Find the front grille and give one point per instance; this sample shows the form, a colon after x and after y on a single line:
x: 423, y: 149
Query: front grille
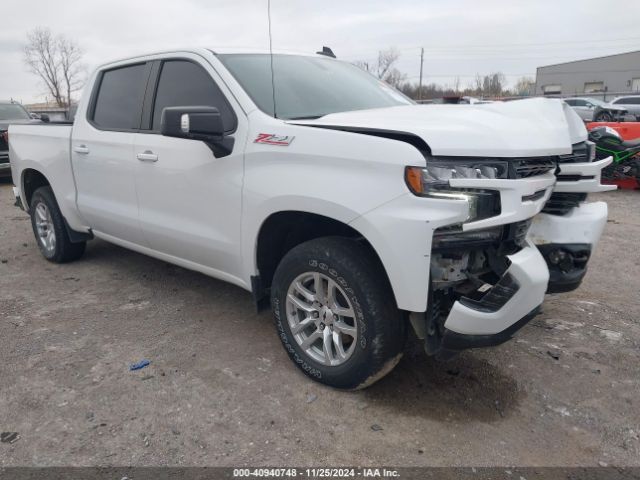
x: 4, y: 157
x: 562, y: 203
x: 530, y: 167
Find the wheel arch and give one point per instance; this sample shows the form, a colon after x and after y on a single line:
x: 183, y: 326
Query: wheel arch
x: 31, y: 179
x: 283, y: 230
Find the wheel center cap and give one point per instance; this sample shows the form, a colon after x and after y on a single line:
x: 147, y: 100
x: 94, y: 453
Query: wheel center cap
x: 326, y: 315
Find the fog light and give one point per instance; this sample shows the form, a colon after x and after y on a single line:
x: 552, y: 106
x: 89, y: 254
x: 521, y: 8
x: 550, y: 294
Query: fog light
x: 561, y: 258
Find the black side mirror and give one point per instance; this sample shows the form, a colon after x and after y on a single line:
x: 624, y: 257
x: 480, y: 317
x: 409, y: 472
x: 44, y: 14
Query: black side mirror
x: 45, y: 118
x: 197, y: 123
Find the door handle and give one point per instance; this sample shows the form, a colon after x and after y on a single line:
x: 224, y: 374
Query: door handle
x: 147, y: 156
x: 81, y: 149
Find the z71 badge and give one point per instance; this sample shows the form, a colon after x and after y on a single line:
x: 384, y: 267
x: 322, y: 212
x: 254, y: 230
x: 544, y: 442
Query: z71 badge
x: 273, y: 139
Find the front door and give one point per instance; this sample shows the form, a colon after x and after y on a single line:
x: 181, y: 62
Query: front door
x: 189, y: 200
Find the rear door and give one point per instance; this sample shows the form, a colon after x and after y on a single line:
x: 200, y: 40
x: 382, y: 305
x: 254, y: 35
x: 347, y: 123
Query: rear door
x: 632, y: 104
x: 190, y: 200
x: 102, y: 152
x: 582, y: 108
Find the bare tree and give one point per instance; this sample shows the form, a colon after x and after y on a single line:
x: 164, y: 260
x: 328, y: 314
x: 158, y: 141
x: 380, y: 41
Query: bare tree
x: 42, y: 59
x: 363, y: 65
x: 57, y: 61
x: 384, y: 68
x: 71, y: 66
x: 386, y: 60
x: 456, y: 84
x: 493, y: 84
x: 524, y: 86
x: 478, y: 84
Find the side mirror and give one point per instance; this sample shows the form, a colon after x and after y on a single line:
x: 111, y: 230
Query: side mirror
x: 195, y: 123
x: 45, y: 118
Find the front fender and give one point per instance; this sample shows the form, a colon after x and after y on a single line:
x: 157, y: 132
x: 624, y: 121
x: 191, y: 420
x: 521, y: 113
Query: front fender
x: 253, y: 222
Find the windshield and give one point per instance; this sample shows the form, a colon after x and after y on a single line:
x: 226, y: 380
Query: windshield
x: 12, y: 111
x: 597, y: 102
x: 309, y: 87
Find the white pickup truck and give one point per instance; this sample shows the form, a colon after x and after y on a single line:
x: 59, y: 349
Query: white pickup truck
x: 357, y: 213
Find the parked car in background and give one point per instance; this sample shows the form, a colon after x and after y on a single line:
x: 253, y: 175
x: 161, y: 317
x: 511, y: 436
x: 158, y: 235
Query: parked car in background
x: 10, y: 113
x: 631, y: 103
x: 593, y: 110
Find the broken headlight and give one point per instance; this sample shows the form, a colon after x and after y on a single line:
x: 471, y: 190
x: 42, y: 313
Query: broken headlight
x: 433, y: 182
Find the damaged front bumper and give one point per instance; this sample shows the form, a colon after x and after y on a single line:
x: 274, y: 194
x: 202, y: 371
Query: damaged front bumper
x: 568, y: 228
x: 522, y: 286
x: 566, y: 242
x: 491, y: 314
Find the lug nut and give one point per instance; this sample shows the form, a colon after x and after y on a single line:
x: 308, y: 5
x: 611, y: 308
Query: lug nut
x: 315, y: 314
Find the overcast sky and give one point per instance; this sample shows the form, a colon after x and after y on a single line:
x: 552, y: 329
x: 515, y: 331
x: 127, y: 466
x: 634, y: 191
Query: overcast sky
x: 460, y: 37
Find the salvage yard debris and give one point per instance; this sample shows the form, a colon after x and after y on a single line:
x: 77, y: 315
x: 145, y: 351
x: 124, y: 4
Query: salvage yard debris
x: 140, y: 365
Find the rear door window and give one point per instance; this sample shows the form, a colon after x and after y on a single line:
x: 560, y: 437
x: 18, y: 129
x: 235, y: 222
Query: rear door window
x: 185, y: 84
x: 118, y: 104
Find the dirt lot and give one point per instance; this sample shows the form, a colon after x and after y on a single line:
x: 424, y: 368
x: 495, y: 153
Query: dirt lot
x: 221, y: 391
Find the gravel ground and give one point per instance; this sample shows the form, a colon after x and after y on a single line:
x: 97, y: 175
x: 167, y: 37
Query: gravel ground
x: 221, y: 391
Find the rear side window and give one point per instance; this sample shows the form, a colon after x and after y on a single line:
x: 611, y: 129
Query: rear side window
x: 629, y: 101
x: 119, y: 100
x: 185, y: 84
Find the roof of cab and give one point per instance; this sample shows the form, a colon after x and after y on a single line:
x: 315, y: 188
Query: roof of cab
x: 206, y: 52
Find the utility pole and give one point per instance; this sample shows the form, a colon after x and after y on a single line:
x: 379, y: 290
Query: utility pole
x: 421, y: 63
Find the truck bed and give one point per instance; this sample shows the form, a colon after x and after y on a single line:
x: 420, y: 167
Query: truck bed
x: 45, y: 148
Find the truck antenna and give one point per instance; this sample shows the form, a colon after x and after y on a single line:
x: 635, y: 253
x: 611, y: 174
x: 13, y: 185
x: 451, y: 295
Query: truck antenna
x: 273, y: 83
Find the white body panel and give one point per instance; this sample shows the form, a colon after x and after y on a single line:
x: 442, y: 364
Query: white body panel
x: 104, y: 166
x: 46, y: 150
x: 589, y: 185
x: 205, y: 213
x: 584, y: 224
x: 531, y: 273
x: 491, y: 130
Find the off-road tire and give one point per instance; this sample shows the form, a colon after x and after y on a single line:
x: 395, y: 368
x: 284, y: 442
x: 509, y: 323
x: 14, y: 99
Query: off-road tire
x: 381, y: 326
x: 65, y: 250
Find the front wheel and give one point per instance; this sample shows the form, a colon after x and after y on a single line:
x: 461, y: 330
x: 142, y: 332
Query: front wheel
x: 49, y: 228
x: 335, y: 313
x: 604, y: 117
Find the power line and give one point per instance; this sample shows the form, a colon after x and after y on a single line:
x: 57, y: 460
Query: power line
x: 449, y: 47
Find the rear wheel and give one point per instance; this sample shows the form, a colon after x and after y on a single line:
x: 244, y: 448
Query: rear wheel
x: 49, y: 229
x: 335, y: 313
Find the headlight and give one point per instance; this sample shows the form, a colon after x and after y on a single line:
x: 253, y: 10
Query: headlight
x: 433, y: 182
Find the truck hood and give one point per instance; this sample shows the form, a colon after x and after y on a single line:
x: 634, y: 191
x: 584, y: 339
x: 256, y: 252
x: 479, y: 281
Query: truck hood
x: 522, y: 128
